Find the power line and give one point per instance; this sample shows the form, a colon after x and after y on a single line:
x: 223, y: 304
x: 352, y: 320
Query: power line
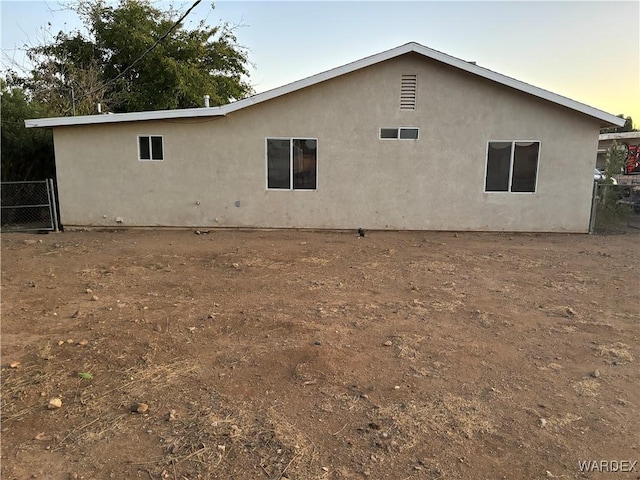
x: 151, y: 47
x: 144, y: 54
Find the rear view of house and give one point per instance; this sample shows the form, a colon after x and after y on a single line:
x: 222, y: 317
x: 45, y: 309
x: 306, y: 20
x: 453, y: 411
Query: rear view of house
x: 409, y: 138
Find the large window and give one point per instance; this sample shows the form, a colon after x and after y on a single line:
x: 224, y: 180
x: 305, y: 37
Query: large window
x: 512, y: 166
x: 150, y: 147
x: 292, y: 163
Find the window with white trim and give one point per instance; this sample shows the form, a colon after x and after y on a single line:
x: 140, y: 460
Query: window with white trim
x: 150, y: 147
x: 400, y: 133
x: 512, y: 166
x: 292, y: 163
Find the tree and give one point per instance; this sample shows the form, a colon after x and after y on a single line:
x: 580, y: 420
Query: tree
x: 27, y: 154
x: 612, y: 214
x: 627, y: 127
x: 136, y: 57
x: 66, y: 79
x: 615, y: 161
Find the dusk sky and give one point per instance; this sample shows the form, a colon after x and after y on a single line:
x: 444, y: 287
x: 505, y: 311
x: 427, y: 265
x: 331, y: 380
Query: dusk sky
x: 587, y: 51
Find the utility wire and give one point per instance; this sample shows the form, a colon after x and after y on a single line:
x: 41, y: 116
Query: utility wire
x: 146, y: 52
x: 152, y: 46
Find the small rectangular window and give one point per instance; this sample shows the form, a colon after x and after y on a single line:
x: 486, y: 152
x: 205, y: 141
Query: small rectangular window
x: 292, y: 163
x: 402, y: 133
x: 150, y: 147
x: 512, y: 166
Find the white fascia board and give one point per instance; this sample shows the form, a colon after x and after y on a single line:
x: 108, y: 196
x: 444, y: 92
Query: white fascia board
x: 518, y: 85
x: 124, y: 117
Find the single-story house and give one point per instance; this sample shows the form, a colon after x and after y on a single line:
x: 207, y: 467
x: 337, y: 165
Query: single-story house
x: 410, y: 138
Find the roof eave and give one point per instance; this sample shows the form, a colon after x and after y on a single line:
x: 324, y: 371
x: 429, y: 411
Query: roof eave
x: 606, y: 118
x: 124, y: 117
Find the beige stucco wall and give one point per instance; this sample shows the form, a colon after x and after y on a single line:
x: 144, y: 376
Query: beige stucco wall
x: 436, y: 182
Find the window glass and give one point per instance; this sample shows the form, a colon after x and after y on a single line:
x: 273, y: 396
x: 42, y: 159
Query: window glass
x: 498, y: 166
x: 145, y: 153
x: 156, y: 148
x: 388, y: 133
x: 304, y: 164
x: 409, y: 133
x: 525, y: 166
x: 278, y: 163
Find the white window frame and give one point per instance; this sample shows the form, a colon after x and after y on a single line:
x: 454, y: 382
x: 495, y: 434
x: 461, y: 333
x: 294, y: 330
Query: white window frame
x: 151, y: 159
x: 399, y: 129
x: 513, y: 151
x: 266, y: 164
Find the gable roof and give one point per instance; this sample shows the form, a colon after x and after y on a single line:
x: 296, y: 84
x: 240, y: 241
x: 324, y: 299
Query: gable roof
x: 606, y: 118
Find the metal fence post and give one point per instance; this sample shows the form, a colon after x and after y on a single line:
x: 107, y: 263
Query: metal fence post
x: 594, y: 203
x: 54, y: 206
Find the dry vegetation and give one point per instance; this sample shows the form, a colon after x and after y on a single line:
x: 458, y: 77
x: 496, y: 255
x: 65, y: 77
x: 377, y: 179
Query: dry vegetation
x: 318, y: 355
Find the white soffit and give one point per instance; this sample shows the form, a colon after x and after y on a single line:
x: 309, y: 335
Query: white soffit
x: 605, y: 117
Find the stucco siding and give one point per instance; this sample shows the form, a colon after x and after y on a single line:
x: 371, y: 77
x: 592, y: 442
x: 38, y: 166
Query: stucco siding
x: 435, y: 182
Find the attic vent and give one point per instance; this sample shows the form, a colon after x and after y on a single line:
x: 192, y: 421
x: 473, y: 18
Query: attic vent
x: 408, y: 87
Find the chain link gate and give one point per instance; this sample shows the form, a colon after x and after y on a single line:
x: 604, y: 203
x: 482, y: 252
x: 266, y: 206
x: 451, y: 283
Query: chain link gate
x: 28, y: 206
x: 615, y: 208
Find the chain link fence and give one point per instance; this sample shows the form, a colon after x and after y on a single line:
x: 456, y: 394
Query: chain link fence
x: 615, y: 208
x: 28, y: 206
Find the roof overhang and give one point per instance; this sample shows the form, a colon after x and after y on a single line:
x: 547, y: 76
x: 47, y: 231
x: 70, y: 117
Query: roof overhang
x: 124, y: 117
x: 606, y: 119
x: 620, y: 136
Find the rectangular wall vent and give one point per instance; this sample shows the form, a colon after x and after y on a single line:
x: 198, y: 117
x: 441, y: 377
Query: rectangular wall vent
x: 408, y: 87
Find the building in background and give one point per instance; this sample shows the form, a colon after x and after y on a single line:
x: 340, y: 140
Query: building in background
x: 631, y: 143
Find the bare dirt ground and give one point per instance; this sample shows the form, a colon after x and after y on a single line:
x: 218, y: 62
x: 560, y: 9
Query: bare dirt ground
x: 319, y: 355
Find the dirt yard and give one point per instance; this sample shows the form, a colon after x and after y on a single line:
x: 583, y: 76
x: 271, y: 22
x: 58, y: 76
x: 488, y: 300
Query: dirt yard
x: 319, y: 355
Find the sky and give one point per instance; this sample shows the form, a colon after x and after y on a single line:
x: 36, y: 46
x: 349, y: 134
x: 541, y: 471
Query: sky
x: 588, y: 51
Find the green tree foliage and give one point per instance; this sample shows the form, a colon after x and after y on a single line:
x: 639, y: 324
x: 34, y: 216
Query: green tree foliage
x: 27, y: 154
x: 615, y: 160
x: 627, y: 127
x: 66, y: 79
x: 134, y: 57
x: 612, y: 214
